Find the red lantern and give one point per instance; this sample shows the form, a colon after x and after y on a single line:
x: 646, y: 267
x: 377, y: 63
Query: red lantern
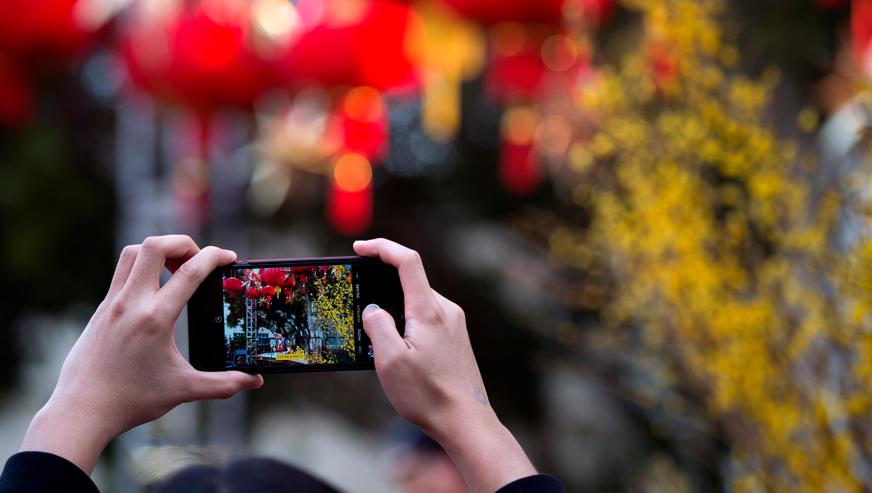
x: 349, y: 212
x: 861, y: 33
x: 252, y: 293
x: 268, y: 291
x: 16, y: 96
x: 363, y: 119
x: 515, y: 77
x: 203, y: 55
x: 359, y: 46
x: 520, y: 169
x: 495, y: 11
x: 541, y: 11
x: 349, y: 195
x: 279, y: 277
x: 232, y: 285
x: 35, y: 29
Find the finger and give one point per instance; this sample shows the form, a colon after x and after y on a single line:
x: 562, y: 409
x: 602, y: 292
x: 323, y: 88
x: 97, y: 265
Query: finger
x: 417, y: 293
x: 173, y: 264
x: 188, y: 277
x: 122, y: 270
x: 382, y: 331
x: 220, y: 385
x: 153, y: 254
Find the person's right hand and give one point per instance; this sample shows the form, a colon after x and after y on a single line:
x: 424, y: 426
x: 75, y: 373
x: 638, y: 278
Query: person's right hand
x: 125, y: 369
x: 431, y: 377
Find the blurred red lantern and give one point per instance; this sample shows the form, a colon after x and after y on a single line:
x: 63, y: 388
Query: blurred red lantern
x: 33, y: 30
x: 349, y: 212
x: 33, y: 35
x: 519, y: 167
x: 495, y: 11
x: 515, y: 77
x: 526, y: 61
x: 364, y: 123
x: 16, y: 96
x: 349, y: 195
x: 204, y: 55
x: 358, y: 44
x: 541, y: 11
x: 252, y: 293
x: 232, y: 285
x: 861, y: 34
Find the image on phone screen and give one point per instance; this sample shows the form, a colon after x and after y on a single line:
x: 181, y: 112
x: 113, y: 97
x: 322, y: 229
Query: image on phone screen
x: 290, y: 317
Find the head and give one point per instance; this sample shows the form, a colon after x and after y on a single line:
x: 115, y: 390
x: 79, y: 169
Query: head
x: 279, y: 335
x: 419, y: 465
x: 254, y: 475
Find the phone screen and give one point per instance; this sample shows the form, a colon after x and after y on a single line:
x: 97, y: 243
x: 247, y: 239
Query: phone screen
x: 291, y: 315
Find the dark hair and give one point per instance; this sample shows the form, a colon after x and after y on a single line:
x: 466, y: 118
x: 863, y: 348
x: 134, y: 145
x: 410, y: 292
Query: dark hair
x: 254, y: 475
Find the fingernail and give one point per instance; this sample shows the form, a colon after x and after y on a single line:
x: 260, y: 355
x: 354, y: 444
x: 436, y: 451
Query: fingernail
x: 370, y: 308
x: 255, y: 384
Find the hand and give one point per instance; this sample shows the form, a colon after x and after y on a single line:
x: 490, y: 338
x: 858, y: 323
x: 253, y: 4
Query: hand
x: 125, y: 369
x: 431, y: 377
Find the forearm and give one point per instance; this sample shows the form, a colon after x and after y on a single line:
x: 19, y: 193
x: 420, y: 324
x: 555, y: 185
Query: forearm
x: 484, y: 451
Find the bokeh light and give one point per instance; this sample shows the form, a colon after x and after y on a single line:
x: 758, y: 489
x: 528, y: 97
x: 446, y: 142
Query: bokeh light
x: 352, y: 172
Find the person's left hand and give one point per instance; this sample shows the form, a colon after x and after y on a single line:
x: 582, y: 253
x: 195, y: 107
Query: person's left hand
x: 125, y: 369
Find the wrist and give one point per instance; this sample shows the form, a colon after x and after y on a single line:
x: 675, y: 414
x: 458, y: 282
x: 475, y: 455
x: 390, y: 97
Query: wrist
x: 483, y: 449
x: 67, y: 432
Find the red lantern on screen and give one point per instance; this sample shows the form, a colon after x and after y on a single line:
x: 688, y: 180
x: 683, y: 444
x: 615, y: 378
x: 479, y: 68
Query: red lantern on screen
x: 201, y: 54
x: 357, y: 44
x: 350, y: 195
x: 232, y: 285
x: 252, y: 293
x: 267, y: 291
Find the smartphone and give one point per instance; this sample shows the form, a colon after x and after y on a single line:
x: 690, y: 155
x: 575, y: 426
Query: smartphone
x: 269, y: 316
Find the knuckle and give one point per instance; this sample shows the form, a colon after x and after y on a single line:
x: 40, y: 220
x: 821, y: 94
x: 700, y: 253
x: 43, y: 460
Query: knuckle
x: 119, y: 307
x: 458, y: 313
x: 150, y: 316
x: 189, y: 270
x: 226, y: 390
x: 129, y: 251
x: 412, y: 257
x: 434, y: 316
x: 151, y: 243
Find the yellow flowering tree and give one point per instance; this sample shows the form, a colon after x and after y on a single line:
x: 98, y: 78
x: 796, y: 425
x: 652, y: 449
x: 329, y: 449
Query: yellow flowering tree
x: 719, y: 255
x: 332, y: 308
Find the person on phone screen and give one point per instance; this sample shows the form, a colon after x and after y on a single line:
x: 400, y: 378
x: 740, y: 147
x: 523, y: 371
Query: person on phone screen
x: 281, y: 343
x: 429, y: 374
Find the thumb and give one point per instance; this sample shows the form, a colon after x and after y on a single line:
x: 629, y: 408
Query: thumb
x: 382, y: 331
x: 221, y: 385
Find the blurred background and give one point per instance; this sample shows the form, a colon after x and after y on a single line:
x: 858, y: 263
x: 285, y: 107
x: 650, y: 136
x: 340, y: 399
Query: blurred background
x: 655, y: 214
